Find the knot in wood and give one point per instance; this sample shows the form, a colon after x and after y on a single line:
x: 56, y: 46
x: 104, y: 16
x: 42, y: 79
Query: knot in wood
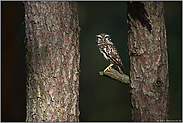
x: 158, y: 82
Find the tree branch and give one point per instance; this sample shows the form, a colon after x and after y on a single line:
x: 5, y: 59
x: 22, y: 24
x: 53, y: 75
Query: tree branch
x: 114, y: 74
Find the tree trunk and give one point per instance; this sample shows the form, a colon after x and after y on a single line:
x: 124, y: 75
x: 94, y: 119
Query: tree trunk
x: 149, y: 79
x: 52, y: 58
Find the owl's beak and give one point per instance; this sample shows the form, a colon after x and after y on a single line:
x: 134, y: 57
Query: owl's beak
x: 103, y: 39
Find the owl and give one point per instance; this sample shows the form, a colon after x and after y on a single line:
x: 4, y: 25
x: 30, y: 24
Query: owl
x: 109, y: 51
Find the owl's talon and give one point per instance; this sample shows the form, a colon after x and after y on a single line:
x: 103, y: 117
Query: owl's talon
x: 108, y: 68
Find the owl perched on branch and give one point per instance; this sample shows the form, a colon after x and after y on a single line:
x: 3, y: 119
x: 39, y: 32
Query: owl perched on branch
x: 109, y: 51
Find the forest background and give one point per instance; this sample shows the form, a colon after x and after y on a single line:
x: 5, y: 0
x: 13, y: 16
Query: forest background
x: 101, y: 99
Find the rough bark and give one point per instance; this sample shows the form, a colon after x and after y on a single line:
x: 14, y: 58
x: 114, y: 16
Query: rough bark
x: 52, y: 58
x: 147, y: 45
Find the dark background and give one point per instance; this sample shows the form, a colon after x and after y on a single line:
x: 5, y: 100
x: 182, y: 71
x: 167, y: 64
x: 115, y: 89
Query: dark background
x: 101, y: 99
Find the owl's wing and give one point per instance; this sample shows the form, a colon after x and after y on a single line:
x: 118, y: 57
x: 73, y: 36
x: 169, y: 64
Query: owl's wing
x: 113, y: 56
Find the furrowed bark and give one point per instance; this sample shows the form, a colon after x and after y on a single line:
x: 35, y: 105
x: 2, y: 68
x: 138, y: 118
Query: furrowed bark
x: 147, y: 45
x: 53, y: 58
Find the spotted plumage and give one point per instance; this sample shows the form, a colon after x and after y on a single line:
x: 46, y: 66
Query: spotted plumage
x: 109, y: 51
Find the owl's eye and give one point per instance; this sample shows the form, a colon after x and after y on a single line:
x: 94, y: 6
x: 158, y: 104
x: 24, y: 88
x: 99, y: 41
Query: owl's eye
x: 106, y: 38
x: 99, y: 38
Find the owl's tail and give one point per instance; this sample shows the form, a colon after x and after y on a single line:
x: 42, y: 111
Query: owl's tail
x: 121, y: 69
